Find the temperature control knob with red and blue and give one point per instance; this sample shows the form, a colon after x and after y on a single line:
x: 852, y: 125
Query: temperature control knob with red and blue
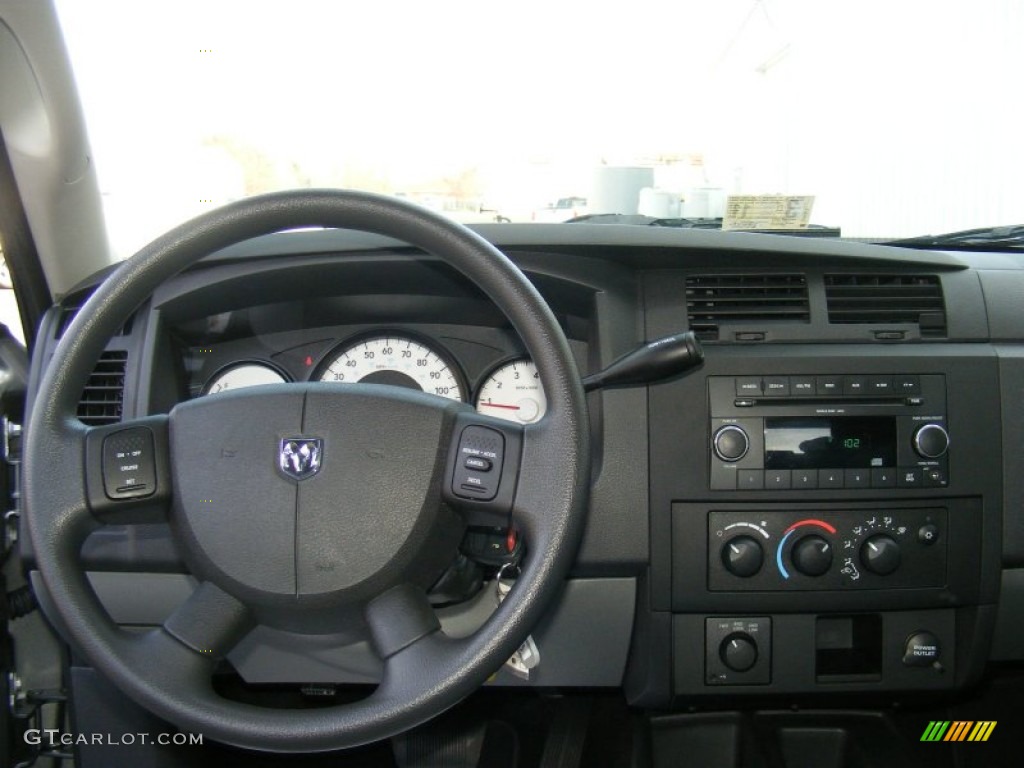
x: 811, y: 554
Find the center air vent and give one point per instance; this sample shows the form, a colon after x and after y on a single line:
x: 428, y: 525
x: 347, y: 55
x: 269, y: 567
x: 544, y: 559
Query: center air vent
x: 103, y: 396
x: 887, y: 300
x: 715, y: 300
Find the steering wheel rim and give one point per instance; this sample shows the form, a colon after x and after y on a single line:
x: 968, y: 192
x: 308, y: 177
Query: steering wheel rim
x: 164, y: 672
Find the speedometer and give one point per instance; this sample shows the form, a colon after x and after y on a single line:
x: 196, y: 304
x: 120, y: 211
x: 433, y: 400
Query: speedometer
x: 397, y: 360
x: 513, y: 392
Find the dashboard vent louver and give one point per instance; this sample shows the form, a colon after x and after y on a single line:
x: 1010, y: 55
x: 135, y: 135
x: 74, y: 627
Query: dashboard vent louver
x: 887, y: 299
x: 103, y: 396
x: 712, y: 300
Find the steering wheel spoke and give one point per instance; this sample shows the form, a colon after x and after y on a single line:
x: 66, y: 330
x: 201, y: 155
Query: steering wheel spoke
x: 210, y: 621
x: 127, y: 471
x: 399, y: 618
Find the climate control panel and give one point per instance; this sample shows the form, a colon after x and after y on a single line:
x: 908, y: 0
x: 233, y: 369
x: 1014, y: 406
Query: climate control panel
x: 834, y: 549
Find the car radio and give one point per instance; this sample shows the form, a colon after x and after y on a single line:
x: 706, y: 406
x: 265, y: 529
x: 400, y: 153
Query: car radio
x: 843, y: 431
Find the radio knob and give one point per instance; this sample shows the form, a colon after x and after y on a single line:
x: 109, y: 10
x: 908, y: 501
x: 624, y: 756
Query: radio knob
x: 731, y: 443
x: 738, y: 652
x: 880, y: 554
x: 931, y: 441
x: 812, y: 555
x: 742, y: 556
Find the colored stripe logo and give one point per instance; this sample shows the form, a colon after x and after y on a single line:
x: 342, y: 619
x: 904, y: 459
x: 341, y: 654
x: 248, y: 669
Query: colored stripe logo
x: 958, y: 730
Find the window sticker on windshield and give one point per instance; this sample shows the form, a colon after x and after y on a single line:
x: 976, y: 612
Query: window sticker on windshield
x: 767, y: 211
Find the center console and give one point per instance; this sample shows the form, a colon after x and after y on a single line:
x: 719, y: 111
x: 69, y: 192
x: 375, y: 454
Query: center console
x: 823, y: 520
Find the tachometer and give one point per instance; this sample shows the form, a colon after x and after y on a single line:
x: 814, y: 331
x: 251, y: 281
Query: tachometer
x: 241, y: 375
x: 513, y: 392
x: 397, y: 360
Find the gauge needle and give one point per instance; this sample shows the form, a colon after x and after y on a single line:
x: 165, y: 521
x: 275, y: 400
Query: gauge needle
x: 501, y: 405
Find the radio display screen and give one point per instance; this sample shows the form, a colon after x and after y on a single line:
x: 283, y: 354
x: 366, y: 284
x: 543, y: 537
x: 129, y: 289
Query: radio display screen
x: 838, y: 442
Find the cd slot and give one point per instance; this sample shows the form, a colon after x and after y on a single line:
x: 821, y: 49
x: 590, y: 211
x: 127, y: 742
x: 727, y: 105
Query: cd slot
x: 750, y: 402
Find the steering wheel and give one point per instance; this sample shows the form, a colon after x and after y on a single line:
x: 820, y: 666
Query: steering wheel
x: 306, y: 506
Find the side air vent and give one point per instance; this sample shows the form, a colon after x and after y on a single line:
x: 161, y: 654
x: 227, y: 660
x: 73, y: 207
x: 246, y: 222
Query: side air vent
x: 103, y: 396
x: 715, y: 300
x: 887, y: 300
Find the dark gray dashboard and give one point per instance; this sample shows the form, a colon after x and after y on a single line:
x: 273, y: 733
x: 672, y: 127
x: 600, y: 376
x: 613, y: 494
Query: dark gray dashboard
x: 646, y: 572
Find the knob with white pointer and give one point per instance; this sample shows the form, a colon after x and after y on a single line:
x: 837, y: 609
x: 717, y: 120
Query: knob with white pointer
x: 812, y: 555
x: 738, y: 652
x: 880, y: 554
x: 742, y: 556
x: 931, y: 441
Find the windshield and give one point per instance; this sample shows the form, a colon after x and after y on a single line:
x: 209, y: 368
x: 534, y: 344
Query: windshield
x: 889, y: 118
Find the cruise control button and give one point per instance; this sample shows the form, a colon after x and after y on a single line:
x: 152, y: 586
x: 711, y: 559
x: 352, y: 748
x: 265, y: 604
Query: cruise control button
x: 479, y: 463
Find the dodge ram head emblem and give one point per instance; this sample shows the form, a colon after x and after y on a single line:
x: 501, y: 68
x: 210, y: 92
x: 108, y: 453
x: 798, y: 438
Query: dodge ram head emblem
x: 299, y: 457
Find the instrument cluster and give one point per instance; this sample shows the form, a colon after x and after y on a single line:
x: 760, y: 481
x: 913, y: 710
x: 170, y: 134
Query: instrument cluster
x: 510, y: 390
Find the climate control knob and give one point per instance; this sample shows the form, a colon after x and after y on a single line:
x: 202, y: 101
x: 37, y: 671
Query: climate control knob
x: 731, y: 443
x: 812, y: 555
x: 880, y: 554
x: 738, y: 652
x: 742, y: 556
x: 931, y: 441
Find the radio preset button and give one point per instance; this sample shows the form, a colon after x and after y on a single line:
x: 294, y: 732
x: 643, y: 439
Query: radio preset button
x: 748, y: 387
x: 830, y: 478
x: 829, y: 385
x: 805, y: 478
x: 909, y: 477
x: 908, y: 385
x: 731, y: 443
x: 880, y: 385
x: 883, y: 477
x: 777, y: 478
x: 857, y: 478
x: 855, y: 385
x: 750, y: 479
x: 776, y: 386
x: 801, y: 385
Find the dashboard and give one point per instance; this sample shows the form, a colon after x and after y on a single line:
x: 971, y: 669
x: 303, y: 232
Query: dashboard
x: 831, y: 504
